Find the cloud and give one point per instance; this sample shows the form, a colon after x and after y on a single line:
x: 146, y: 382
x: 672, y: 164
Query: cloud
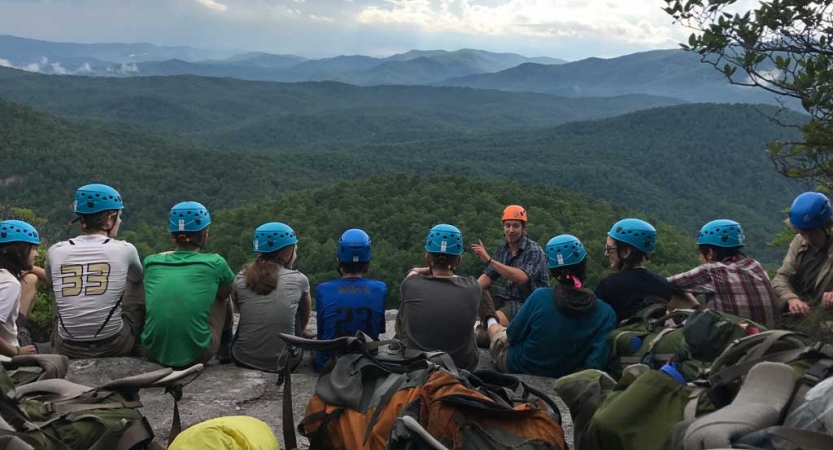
x: 58, y: 69
x: 321, y: 18
x: 34, y: 67
x: 124, y: 69
x: 5, y: 63
x: 85, y: 68
x: 213, y: 5
x: 541, y: 18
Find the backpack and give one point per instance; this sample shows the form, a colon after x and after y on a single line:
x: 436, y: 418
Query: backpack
x: 634, y: 413
x: 422, y: 401
x: 26, y: 369
x: 812, y: 363
x: 57, y: 414
x: 692, y: 338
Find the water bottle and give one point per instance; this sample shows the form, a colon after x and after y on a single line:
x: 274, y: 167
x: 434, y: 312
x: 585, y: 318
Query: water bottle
x: 670, y: 369
x: 635, y: 344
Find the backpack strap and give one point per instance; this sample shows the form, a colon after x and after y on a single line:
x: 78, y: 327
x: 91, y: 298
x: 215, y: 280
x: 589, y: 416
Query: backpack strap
x: 109, y: 315
x: 413, y: 426
x: 690, y: 410
x: 736, y: 371
x: 288, y: 420
x: 772, y: 337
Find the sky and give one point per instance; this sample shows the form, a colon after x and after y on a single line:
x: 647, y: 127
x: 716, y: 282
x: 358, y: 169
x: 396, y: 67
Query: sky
x: 568, y: 29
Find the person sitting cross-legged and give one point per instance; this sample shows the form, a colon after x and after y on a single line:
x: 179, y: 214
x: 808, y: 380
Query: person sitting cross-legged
x: 558, y: 330
x: 189, y: 318
x: 99, y: 304
x: 351, y: 303
x: 439, y: 307
x: 272, y: 298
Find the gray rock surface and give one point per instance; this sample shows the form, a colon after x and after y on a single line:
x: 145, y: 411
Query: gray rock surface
x: 226, y: 390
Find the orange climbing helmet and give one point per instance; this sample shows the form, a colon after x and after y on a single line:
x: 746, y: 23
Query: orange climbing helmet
x: 514, y: 212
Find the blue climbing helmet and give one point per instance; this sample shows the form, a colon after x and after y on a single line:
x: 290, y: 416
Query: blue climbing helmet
x: 564, y: 250
x: 18, y: 231
x: 722, y: 233
x: 810, y: 210
x: 188, y: 217
x: 273, y: 236
x: 354, y: 246
x: 445, y: 239
x: 94, y: 198
x: 636, y: 232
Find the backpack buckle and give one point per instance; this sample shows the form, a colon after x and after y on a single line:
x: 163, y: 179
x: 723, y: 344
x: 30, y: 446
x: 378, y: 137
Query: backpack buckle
x: 818, y: 372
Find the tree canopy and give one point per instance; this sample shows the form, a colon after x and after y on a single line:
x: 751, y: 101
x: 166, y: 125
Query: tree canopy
x: 782, y: 46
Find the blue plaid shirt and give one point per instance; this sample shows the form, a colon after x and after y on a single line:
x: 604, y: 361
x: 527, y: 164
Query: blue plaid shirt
x: 532, y: 260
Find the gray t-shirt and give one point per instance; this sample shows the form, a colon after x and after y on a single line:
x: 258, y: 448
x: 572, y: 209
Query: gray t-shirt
x: 439, y: 314
x: 263, y: 317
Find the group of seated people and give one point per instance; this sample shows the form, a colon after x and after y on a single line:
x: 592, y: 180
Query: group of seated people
x: 176, y: 307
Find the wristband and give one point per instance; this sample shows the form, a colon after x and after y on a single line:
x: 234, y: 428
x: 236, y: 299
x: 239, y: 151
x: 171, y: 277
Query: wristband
x: 489, y: 261
x: 18, y: 351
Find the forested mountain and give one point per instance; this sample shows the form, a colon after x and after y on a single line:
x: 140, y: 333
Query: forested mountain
x: 273, y: 115
x: 123, y: 60
x: 661, y: 72
x: 24, y: 51
x: 398, y: 211
x: 686, y: 165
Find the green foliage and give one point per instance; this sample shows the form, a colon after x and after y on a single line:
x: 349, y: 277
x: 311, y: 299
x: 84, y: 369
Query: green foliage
x: 660, y: 162
x: 277, y: 115
x: 784, y: 47
x: 398, y: 211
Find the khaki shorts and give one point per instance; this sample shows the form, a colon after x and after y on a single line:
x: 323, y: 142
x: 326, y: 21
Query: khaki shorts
x: 498, y: 347
x: 220, y: 317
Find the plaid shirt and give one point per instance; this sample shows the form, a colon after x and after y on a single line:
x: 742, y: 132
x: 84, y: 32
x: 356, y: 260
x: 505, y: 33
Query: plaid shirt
x: 741, y: 288
x: 532, y: 260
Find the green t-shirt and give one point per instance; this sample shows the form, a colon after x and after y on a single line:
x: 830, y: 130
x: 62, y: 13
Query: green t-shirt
x: 180, y: 288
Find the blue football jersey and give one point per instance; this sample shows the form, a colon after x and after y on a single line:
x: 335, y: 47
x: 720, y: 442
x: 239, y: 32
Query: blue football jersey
x: 347, y: 305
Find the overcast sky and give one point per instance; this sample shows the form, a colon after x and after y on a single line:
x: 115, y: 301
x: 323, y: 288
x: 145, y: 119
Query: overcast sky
x: 569, y: 29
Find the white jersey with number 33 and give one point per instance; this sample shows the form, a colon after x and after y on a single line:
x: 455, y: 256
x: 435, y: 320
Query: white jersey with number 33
x: 89, y: 274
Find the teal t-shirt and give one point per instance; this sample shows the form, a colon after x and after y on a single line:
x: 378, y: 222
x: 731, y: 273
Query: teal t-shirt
x: 180, y: 288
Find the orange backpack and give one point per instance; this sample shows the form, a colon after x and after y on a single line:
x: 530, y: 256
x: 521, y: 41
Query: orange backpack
x: 364, y: 402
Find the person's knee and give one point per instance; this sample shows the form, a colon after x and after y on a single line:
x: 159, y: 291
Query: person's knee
x: 501, y: 318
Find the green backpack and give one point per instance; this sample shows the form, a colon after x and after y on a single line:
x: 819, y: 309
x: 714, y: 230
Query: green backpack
x: 634, y: 413
x: 692, y: 338
x: 61, y: 415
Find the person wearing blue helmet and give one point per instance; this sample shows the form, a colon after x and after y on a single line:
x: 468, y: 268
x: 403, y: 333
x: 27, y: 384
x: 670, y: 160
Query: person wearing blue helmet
x: 272, y: 298
x: 631, y: 286
x: 558, y: 330
x: 731, y: 281
x: 97, y: 281
x: 189, y: 318
x: 805, y: 279
x: 18, y: 250
x: 351, y: 303
x: 438, y: 308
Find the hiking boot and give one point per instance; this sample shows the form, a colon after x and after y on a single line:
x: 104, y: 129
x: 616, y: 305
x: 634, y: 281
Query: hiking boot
x: 224, y: 354
x: 481, y: 336
x: 486, y: 308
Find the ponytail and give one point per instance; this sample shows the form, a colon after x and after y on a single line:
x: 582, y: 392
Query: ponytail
x: 262, y: 274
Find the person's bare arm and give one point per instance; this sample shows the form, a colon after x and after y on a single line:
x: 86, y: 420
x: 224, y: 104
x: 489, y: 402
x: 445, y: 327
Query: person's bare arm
x: 510, y: 273
x: 306, y: 308
x: 223, y: 292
